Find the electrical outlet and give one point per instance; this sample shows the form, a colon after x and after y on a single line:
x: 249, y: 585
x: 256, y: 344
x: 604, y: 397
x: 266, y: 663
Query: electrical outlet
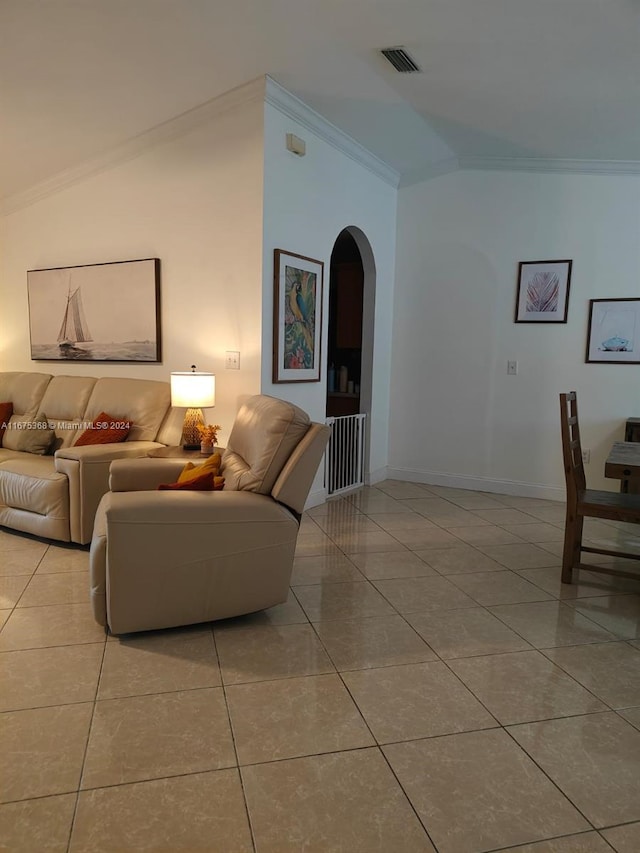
x: 232, y: 360
x: 586, y: 456
x: 512, y: 368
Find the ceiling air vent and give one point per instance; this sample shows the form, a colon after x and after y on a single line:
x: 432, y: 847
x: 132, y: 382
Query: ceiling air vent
x: 400, y: 60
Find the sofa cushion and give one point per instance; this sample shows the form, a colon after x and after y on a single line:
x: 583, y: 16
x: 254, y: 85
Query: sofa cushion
x: 31, y: 483
x: 65, y: 401
x: 25, y: 391
x: 6, y: 410
x: 206, y: 482
x: 211, y: 464
x: 144, y: 402
x: 35, y: 436
x: 106, y: 429
x: 264, y: 434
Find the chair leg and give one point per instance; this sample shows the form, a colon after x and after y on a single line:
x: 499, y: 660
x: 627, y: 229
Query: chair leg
x: 572, y: 542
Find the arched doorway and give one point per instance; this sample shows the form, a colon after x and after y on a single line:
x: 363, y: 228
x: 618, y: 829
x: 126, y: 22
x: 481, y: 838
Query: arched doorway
x: 350, y: 358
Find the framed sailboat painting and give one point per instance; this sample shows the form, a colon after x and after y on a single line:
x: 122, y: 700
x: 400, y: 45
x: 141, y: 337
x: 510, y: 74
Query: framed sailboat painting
x: 96, y: 312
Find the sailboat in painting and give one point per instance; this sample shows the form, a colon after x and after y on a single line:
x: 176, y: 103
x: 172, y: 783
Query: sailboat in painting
x: 74, y: 328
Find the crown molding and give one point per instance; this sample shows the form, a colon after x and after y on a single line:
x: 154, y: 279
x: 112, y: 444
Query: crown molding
x: 297, y: 110
x: 137, y: 145
x: 535, y: 164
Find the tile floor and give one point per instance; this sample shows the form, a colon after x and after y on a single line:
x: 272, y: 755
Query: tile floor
x: 429, y: 685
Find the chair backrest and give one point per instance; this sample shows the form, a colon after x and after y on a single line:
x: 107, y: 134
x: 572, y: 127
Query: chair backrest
x: 571, y: 447
x: 265, y: 433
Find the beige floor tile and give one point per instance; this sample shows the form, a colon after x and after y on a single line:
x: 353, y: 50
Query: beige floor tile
x: 37, y: 825
x: 546, y: 624
x: 4, y: 615
x: 146, y: 737
x: 464, y: 633
x: 331, y: 568
x: 333, y: 507
x: 631, y: 715
x: 342, y: 601
x: 63, y: 588
x: 368, y: 540
x: 635, y: 643
x: 524, y: 686
x: 503, y: 587
x: 513, y: 802
x: 474, y: 501
x: 11, y: 588
x: 430, y: 505
x: 550, y: 514
x: 42, y: 750
x: 586, y: 842
x: 203, y: 811
x: 18, y: 563
x: 610, y: 670
x: 410, y: 595
x: 594, y: 760
x: 401, y: 491
x: 459, y: 560
x: 10, y: 542
x: 586, y: 584
x: 536, y: 532
x: 349, y: 525
x: 619, y: 614
x: 391, y: 521
x: 61, y: 675
x: 292, y: 717
x: 415, y: 701
x: 522, y: 556
x: 159, y: 662
x: 312, y: 546
x: 624, y: 839
x: 264, y: 652
x: 345, y: 802
x: 376, y: 503
x: 505, y: 515
x: 452, y: 517
x: 375, y: 642
x: 59, y: 559
x: 486, y: 536
x: 428, y: 537
x: 402, y: 564
x: 288, y: 613
x: 55, y: 625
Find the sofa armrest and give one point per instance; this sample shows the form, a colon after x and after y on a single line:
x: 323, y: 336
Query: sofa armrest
x: 198, y: 556
x: 141, y: 475
x: 87, y: 470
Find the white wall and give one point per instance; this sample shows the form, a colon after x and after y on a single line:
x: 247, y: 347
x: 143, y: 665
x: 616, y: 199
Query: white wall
x: 196, y: 203
x: 308, y: 201
x: 457, y: 417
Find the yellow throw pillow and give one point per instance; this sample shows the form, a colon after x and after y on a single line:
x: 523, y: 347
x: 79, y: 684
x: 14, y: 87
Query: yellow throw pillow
x: 210, y: 465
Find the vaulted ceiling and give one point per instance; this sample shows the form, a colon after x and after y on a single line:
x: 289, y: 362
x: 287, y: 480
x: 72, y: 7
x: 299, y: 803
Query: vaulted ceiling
x: 553, y: 79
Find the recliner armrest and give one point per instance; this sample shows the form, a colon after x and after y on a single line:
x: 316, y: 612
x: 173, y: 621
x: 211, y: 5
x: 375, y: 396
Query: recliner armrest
x: 141, y: 475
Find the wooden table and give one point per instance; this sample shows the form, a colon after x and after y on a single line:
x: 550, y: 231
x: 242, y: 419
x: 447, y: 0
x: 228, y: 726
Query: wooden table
x: 623, y: 463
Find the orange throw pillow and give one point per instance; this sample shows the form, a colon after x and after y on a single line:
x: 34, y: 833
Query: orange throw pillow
x: 204, y: 483
x: 105, y: 430
x: 6, y: 410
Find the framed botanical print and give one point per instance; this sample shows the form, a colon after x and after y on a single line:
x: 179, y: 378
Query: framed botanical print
x: 543, y: 291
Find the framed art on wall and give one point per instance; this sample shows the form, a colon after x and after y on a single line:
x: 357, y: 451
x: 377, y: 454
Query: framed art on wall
x: 96, y: 312
x: 543, y: 291
x: 297, y: 317
x: 614, y: 331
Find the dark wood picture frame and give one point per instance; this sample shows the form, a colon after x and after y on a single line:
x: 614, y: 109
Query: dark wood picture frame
x: 613, y: 333
x: 96, y: 312
x: 543, y: 291
x: 297, y: 317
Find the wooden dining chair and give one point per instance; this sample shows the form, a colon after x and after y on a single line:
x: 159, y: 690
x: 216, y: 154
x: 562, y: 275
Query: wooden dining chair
x: 588, y: 503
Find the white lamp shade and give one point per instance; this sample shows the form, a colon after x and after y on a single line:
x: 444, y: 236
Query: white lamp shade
x: 195, y: 390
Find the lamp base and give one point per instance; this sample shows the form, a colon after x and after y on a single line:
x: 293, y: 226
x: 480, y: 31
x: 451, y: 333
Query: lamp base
x: 190, y: 439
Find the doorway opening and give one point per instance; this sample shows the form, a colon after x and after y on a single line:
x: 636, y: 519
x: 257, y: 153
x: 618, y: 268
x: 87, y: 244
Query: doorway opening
x: 349, y: 360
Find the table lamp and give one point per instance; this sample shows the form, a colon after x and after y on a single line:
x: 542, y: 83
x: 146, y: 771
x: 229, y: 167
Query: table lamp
x: 193, y: 390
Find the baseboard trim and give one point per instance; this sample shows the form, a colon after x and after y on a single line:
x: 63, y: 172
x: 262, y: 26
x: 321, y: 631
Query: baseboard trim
x: 479, y: 484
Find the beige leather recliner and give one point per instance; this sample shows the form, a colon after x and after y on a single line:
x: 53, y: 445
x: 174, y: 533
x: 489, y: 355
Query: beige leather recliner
x: 165, y: 558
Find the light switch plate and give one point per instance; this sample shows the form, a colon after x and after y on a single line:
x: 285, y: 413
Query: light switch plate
x: 232, y: 360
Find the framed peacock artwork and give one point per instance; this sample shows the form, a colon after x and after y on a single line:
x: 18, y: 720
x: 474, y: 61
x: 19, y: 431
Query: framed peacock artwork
x: 543, y: 291
x: 297, y: 317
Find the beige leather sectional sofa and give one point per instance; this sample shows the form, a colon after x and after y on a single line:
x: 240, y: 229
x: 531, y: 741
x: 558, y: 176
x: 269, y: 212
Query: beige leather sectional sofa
x: 56, y: 495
